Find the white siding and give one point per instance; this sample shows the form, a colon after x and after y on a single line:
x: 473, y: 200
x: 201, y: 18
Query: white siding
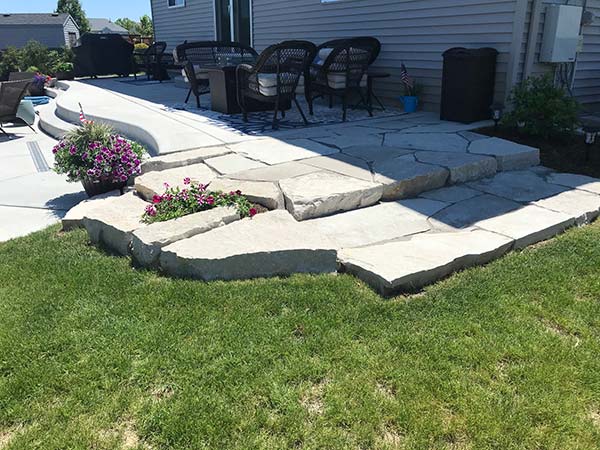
x: 415, y: 32
x: 193, y: 22
x: 70, y: 27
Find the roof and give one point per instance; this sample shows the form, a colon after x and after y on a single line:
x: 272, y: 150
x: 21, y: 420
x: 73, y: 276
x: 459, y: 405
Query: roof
x: 97, y: 25
x: 33, y: 19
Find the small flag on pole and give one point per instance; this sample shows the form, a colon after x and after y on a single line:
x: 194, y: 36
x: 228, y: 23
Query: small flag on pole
x: 404, y: 76
x: 82, y: 118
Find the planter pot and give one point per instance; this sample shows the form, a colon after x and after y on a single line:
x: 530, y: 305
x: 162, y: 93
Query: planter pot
x: 36, y: 90
x: 97, y: 187
x: 65, y: 75
x: 410, y: 103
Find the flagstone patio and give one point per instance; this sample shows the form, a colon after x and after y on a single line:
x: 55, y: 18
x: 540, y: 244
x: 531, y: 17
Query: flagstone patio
x: 399, y: 201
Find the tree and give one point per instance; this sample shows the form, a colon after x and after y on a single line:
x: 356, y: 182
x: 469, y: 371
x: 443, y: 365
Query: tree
x: 128, y: 24
x: 145, y: 26
x: 73, y: 7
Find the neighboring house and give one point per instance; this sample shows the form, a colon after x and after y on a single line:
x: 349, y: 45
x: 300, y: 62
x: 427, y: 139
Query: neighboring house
x: 413, y: 32
x: 52, y: 29
x: 105, y: 26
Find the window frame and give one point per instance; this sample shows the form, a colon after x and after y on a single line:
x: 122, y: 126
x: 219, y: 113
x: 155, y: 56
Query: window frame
x: 175, y: 5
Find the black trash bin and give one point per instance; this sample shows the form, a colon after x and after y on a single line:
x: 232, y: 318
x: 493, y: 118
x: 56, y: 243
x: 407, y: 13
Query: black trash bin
x: 468, y: 84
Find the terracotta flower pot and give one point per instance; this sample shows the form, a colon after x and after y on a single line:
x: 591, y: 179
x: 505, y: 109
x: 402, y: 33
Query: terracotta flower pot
x: 97, y: 187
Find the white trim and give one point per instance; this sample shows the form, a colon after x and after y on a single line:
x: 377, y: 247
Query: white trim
x: 176, y: 6
x: 231, y: 21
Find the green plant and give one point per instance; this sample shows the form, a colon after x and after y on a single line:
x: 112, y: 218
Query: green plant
x: 141, y: 46
x: 9, y: 61
x: 37, y: 55
x: 539, y: 108
x: 62, y: 66
x: 73, y: 7
x: 193, y: 198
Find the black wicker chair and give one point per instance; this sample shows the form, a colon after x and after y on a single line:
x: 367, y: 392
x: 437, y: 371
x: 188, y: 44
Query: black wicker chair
x: 197, y: 57
x: 342, y: 70
x: 150, y: 60
x: 275, y: 76
x: 11, y: 94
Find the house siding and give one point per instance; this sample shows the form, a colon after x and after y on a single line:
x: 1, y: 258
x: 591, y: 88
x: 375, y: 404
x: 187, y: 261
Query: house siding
x: 70, y: 27
x: 192, y: 22
x: 415, y: 32
x: 18, y: 35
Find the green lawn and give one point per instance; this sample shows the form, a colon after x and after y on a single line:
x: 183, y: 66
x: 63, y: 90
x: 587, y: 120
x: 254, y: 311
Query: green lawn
x: 97, y: 355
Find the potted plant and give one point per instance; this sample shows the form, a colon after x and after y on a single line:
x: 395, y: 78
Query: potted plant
x: 412, y: 91
x: 64, y: 71
x: 37, y: 87
x: 97, y: 157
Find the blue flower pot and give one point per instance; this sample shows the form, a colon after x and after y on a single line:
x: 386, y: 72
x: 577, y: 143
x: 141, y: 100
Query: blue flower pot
x: 410, y: 103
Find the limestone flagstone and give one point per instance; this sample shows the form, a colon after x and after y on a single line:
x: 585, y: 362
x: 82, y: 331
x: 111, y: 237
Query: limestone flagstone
x: 583, y: 206
x: 372, y: 154
x: 466, y: 213
x: 264, y: 193
x: 437, y: 142
x: 581, y: 182
x: 451, y: 194
x: 510, y: 155
x: 186, y: 158
x: 267, y: 245
x: 463, y: 167
x: 520, y: 186
x: 342, y: 164
x: 232, y: 163
x: 274, y: 173
x: 402, y: 178
x: 274, y: 151
x: 74, y: 217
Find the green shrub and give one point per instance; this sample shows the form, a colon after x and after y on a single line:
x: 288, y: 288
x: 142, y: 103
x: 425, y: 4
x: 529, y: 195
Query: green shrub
x: 9, y: 61
x: 33, y: 69
x: 61, y: 66
x: 542, y: 109
x: 36, y: 54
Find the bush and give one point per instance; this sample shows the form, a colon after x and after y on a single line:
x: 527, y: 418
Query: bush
x: 542, y: 109
x: 94, y: 151
x: 9, y: 62
x: 195, y: 197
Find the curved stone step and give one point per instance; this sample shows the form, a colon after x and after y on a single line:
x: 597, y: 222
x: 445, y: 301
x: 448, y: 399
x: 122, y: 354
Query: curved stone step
x: 51, y: 123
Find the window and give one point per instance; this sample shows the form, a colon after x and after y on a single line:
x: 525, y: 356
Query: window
x: 72, y: 39
x: 176, y: 3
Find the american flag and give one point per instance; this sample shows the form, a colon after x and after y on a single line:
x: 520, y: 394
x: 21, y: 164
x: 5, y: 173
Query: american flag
x: 404, y: 76
x: 82, y: 118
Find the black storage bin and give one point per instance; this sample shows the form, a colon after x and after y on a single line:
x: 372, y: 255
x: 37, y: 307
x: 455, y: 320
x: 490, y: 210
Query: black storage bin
x: 468, y: 84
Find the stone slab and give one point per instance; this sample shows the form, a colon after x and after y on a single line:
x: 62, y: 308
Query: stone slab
x: 264, y: 193
x: 342, y: 164
x: 583, y: 206
x: 180, y: 159
x: 152, y: 183
x: 148, y: 242
x: 274, y: 173
x: 510, y: 155
x: 378, y: 223
x: 267, y: 245
x: 528, y: 225
x: 466, y: 213
x: 358, y: 137
x: 401, y: 178
x: 472, y: 136
x: 372, y: 154
x: 446, y: 127
x: 581, y: 182
x: 437, y: 142
x: 319, y: 194
x: 410, y: 264
x: 74, y: 217
x: 274, y: 151
x: 520, y: 186
x: 463, y: 167
x: 232, y: 163
x: 451, y: 194
x: 112, y: 225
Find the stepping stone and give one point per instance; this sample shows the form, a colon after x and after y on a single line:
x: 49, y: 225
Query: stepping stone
x: 274, y: 151
x: 463, y: 167
x: 181, y: 159
x: 520, y: 186
x: 112, y: 225
x: 528, y: 225
x: 322, y: 193
x: 264, y: 193
x: 451, y: 194
x: 583, y: 206
x: 153, y: 183
x: 342, y: 164
x: 74, y: 218
x: 274, y: 173
x: 468, y: 212
x: 444, y: 127
x: 410, y: 264
x: 402, y: 178
x: 351, y: 139
x: 471, y: 136
x: 267, y: 245
x: 232, y: 163
x: 581, y: 182
x: 148, y: 242
x: 510, y: 155
x: 392, y: 125
x: 370, y: 153
x: 378, y: 223
x: 436, y: 142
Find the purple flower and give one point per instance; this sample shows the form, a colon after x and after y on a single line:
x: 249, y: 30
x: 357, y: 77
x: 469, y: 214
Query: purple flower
x: 187, y: 180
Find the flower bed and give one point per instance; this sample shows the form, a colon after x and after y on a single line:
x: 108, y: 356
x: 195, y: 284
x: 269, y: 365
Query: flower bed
x: 195, y: 197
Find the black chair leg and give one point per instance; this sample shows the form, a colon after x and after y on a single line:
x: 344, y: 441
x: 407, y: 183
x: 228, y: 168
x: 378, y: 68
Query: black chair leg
x: 367, y: 103
x: 31, y: 128
x: 197, y: 100
x: 345, y: 107
x: 188, y: 96
x: 3, y: 132
x: 301, y: 112
x: 330, y: 101
x: 275, y: 125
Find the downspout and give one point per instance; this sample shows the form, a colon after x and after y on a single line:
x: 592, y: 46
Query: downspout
x: 532, y: 37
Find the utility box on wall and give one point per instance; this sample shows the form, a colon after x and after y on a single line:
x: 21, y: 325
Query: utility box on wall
x: 561, y: 34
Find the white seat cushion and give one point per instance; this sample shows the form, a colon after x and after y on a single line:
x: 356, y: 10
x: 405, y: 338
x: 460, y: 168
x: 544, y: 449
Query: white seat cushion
x: 201, y: 74
x: 337, y: 80
x: 267, y: 84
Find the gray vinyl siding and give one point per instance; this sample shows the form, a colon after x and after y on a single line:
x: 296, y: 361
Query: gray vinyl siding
x: 192, y: 22
x: 70, y: 27
x: 52, y: 36
x: 415, y: 32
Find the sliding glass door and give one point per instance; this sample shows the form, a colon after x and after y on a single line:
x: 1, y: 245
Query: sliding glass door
x: 233, y: 20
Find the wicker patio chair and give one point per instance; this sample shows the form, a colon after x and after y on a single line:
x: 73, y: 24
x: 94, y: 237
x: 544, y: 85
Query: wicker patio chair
x: 11, y: 94
x: 275, y: 76
x: 197, y: 57
x: 341, y: 70
x: 150, y: 60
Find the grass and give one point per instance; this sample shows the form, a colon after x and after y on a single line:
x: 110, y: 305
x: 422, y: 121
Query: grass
x: 97, y: 355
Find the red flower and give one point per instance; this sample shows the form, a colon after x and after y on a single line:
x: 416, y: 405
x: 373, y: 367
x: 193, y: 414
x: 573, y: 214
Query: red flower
x: 252, y: 212
x: 156, y: 199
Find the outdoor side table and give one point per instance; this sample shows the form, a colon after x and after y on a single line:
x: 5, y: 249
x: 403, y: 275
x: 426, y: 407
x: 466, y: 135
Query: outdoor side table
x: 372, y: 75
